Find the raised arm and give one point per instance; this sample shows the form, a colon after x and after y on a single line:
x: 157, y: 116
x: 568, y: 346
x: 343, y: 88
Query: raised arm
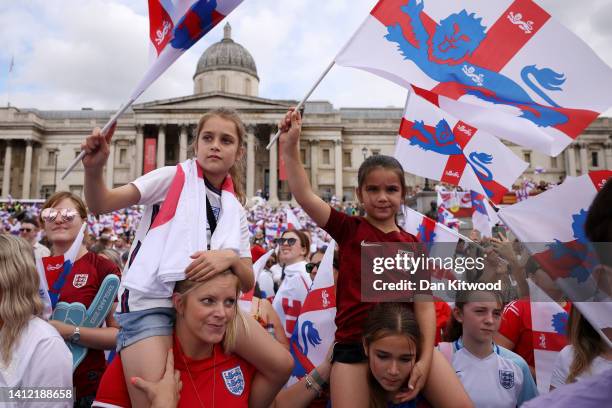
x: 100, y: 199
x: 315, y: 207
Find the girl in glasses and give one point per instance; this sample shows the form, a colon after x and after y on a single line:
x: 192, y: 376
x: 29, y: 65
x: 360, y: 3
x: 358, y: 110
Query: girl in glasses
x: 63, y: 215
x: 381, y: 190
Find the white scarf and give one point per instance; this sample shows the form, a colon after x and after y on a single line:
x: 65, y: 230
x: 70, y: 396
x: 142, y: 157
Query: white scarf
x: 179, y: 230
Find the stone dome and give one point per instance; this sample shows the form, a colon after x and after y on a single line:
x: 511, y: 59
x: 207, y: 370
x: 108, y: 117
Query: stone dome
x: 226, y: 55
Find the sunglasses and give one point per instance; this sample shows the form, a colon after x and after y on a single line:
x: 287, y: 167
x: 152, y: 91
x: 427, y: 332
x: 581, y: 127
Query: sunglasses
x: 50, y: 214
x: 286, y: 241
x: 26, y: 229
x: 310, y: 266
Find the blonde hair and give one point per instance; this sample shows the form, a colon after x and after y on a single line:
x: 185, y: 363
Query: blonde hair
x: 19, y: 285
x: 586, y: 342
x: 238, y: 169
x: 235, y: 325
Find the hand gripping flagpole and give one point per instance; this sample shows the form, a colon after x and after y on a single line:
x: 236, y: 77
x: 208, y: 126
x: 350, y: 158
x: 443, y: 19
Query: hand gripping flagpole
x: 297, y: 108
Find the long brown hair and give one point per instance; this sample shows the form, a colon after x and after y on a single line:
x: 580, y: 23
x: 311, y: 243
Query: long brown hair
x: 586, y: 342
x: 388, y: 319
x: 19, y: 297
x: 238, y: 169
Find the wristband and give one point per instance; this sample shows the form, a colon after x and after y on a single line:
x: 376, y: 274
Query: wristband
x: 317, y: 378
x: 312, y: 385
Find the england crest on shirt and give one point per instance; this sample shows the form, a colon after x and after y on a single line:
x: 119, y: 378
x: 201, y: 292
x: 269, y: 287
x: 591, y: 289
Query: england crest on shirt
x: 234, y: 380
x: 506, y: 378
x: 80, y: 280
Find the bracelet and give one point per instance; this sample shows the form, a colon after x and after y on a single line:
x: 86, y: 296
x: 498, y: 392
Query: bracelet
x: 317, y: 378
x: 312, y: 385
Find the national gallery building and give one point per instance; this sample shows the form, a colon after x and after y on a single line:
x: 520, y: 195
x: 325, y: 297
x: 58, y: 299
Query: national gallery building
x: 37, y: 145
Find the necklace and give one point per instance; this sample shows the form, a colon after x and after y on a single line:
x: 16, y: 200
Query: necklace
x: 195, y: 389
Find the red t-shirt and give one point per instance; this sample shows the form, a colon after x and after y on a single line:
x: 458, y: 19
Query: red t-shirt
x: 516, y: 327
x: 81, y: 285
x: 222, y: 380
x: 349, y: 232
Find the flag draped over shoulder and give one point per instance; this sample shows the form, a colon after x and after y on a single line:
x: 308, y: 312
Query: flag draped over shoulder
x: 552, y: 226
x: 315, y: 329
x: 435, y: 145
x: 504, y: 66
x: 54, y: 270
x: 174, y: 26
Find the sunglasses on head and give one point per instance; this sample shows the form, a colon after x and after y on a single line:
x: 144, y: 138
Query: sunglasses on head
x: 286, y: 241
x: 50, y: 214
x: 310, y: 266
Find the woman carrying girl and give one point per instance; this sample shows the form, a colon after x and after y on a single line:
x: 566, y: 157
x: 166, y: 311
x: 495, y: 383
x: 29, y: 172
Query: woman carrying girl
x: 208, y: 325
x: 381, y: 189
x: 213, y: 176
x: 494, y: 377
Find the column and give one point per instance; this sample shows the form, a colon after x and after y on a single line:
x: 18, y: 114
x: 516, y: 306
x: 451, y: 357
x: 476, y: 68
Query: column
x: 6, y: 180
x: 570, y: 154
x: 608, y: 155
x: 250, y: 170
x: 139, y: 149
x: 110, y: 165
x: 183, y: 144
x: 584, y: 162
x: 273, y: 170
x: 314, y: 165
x: 161, y: 146
x: 338, y: 168
x: 27, y: 172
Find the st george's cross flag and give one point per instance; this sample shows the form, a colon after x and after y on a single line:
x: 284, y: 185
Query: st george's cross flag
x: 484, y: 217
x: 315, y: 328
x: 504, y: 66
x: 293, y: 222
x: 551, y: 225
x: 434, y: 144
x: 54, y: 271
x: 549, y: 330
x: 174, y: 26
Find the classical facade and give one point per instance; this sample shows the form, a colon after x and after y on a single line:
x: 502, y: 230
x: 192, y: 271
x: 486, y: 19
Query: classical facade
x: 37, y: 145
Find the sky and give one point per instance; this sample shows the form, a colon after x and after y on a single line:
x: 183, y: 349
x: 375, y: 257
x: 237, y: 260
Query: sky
x: 70, y: 54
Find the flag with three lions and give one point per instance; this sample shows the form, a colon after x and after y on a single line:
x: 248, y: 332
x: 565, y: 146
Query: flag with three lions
x: 504, y: 66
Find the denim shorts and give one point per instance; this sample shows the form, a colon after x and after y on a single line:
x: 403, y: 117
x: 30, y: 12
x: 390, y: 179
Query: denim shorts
x: 136, y: 326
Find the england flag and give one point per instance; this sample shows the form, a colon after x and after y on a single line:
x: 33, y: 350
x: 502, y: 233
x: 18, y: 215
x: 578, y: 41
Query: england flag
x: 504, y: 66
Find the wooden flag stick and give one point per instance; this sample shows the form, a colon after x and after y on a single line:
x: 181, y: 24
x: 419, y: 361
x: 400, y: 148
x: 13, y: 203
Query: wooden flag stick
x: 299, y: 106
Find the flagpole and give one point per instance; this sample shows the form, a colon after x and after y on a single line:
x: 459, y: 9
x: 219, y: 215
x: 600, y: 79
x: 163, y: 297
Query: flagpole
x: 299, y: 106
x: 104, y: 131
